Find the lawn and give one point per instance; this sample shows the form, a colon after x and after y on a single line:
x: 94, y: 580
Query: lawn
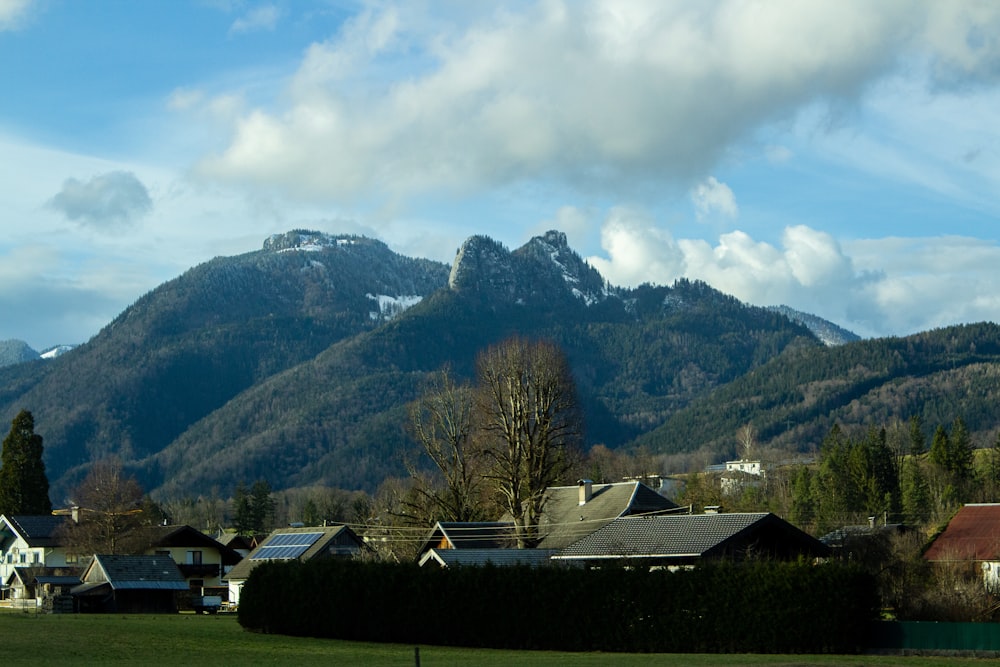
x: 187, y: 639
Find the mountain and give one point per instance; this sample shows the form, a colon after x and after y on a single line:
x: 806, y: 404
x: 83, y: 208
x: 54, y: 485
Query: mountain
x: 191, y: 345
x: 15, y: 352
x: 826, y: 331
x: 296, y: 362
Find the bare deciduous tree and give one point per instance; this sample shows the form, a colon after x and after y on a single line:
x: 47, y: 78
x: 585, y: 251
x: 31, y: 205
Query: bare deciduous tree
x: 442, y: 423
x: 108, y: 508
x: 528, y: 417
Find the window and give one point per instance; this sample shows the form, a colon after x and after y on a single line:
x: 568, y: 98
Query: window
x: 194, y: 558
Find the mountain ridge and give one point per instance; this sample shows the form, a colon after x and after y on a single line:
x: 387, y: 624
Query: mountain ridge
x: 296, y: 362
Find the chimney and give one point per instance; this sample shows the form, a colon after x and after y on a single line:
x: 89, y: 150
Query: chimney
x: 586, y: 490
x: 74, y: 512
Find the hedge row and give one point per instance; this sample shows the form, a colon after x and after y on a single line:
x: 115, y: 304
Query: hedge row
x: 717, y: 607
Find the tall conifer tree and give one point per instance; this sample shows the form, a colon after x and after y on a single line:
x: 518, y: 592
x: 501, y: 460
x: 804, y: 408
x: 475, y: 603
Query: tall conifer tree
x: 24, y: 488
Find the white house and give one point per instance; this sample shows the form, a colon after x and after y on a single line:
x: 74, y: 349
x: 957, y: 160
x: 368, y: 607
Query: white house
x: 30, y: 541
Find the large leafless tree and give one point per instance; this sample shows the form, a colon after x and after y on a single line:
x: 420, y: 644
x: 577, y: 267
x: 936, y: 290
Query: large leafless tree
x: 107, y: 508
x: 527, y: 415
x: 442, y: 422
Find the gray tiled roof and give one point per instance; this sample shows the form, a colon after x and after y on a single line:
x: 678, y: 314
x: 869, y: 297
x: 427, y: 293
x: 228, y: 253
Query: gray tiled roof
x: 690, y: 536
x: 565, y: 520
x: 481, y: 557
x: 38, y: 530
x: 138, y: 572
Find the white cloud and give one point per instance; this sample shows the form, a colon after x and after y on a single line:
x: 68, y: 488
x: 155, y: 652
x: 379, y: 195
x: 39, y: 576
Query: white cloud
x: 711, y: 197
x: 638, y: 251
x: 601, y: 94
x: 875, y: 287
x: 264, y: 17
x: 12, y: 13
x: 109, y: 200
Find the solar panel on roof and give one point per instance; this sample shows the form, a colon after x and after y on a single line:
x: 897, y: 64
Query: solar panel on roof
x: 285, y: 546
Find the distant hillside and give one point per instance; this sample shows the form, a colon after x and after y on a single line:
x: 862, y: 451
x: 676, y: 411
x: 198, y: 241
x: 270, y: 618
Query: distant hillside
x: 795, y: 398
x: 15, y: 352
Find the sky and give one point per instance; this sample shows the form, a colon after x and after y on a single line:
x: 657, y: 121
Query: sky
x: 841, y: 157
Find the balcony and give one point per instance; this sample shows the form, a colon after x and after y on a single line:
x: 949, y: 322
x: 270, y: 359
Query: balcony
x: 200, y: 570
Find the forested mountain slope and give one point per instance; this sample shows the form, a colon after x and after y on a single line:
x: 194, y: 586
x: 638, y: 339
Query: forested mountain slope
x: 192, y: 344
x: 794, y: 399
x: 296, y: 362
x: 340, y: 419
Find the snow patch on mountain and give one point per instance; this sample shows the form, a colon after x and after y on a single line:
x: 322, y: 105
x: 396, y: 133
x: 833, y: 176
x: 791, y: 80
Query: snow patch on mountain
x: 391, y: 306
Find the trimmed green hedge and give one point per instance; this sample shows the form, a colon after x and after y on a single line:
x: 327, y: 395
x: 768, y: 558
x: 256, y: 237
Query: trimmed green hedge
x: 716, y: 607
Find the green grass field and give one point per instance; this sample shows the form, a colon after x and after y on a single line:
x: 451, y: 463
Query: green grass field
x: 186, y: 639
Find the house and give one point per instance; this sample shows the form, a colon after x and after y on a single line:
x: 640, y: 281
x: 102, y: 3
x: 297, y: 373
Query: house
x: 684, y: 540
x: 570, y: 513
x: 30, y: 541
x: 971, y: 537
x: 740, y: 475
x: 202, y: 560
x: 445, y: 558
x: 241, y: 544
x: 301, y: 544
x: 130, y: 584
x: 40, y: 583
x: 478, y: 535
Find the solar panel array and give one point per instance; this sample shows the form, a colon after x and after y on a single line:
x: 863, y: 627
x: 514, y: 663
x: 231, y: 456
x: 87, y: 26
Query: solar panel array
x: 285, y: 546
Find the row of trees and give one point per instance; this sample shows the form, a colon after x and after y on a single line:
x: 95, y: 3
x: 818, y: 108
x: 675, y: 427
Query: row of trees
x: 894, y: 474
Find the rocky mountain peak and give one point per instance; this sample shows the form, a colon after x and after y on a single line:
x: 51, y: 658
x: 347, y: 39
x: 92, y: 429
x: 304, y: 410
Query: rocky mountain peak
x: 305, y: 239
x: 482, y: 262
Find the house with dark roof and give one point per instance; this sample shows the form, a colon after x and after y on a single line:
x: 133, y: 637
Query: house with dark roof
x: 41, y: 583
x: 129, y: 585
x: 684, y: 540
x: 972, y: 537
x: 301, y: 544
x: 570, y: 513
x: 30, y: 541
x: 202, y: 559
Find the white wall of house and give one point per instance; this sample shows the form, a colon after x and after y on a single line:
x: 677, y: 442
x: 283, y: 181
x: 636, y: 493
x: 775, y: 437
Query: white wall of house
x: 991, y: 575
x: 19, y: 554
x: 193, y: 556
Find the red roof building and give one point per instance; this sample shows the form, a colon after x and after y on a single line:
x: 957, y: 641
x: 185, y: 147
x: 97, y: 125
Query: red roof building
x: 972, y: 536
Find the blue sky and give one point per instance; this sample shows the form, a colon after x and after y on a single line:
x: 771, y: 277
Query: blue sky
x: 839, y: 157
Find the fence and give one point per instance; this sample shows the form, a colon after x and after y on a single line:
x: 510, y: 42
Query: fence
x: 911, y: 637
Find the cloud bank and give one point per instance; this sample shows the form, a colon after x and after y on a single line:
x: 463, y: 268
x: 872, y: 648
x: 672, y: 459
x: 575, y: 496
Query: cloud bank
x: 604, y: 94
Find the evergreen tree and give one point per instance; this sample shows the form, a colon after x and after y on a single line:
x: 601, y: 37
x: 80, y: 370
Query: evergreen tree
x: 242, y: 514
x: 916, y: 493
x: 803, y: 511
x: 918, y: 441
x: 940, y: 454
x: 24, y: 488
x: 261, y: 506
